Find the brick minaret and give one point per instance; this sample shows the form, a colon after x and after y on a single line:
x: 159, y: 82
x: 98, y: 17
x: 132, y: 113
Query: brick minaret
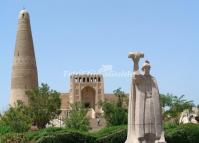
x: 24, y: 70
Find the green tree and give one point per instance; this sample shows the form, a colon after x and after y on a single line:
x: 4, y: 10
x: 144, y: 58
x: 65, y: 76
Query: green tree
x: 16, y: 119
x: 116, y: 113
x: 44, y: 105
x: 174, y: 106
x: 166, y: 100
x: 122, y: 99
x: 77, y: 118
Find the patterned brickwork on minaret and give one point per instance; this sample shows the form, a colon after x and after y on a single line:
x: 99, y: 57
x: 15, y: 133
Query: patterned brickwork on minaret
x: 24, y: 70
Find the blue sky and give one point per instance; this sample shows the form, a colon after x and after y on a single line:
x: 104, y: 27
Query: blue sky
x: 73, y: 35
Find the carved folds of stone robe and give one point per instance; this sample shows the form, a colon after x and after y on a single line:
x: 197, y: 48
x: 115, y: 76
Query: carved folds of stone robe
x: 148, y: 119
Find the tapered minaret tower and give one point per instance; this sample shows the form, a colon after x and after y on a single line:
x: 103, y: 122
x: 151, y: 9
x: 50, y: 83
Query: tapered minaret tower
x: 24, y: 70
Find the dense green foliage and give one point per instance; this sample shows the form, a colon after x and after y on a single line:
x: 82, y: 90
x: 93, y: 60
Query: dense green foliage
x: 68, y: 137
x: 116, y: 134
x: 173, y: 106
x: 15, y: 119
x: 122, y: 99
x: 4, y: 128
x: 77, y: 118
x: 44, y: 105
x: 13, y: 138
x: 59, y: 135
x: 116, y: 113
x: 176, y: 134
x: 188, y: 133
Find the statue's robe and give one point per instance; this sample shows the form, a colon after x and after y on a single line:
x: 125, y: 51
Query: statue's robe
x: 147, y: 107
x: 145, y: 117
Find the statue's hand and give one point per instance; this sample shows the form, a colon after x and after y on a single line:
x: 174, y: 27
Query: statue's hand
x: 137, y: 78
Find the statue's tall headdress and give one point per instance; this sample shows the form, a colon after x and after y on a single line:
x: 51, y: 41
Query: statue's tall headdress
x: 146, y: 64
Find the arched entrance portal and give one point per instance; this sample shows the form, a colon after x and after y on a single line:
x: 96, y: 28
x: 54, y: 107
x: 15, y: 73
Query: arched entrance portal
x: 88, y: 97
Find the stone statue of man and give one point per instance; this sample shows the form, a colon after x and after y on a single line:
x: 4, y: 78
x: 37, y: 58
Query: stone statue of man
x: 144, y: 115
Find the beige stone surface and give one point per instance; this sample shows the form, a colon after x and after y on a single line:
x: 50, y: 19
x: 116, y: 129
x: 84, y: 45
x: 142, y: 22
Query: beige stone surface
x: 87, y: 89
x: 65, y: 105
x: 65, y: 100
x: 189, y: 116
x: 24, y: 70
x: 110, y: 97
x: 144, y: 113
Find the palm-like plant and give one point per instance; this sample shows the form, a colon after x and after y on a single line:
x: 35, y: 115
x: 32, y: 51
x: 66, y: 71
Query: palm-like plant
x: 174, y: 106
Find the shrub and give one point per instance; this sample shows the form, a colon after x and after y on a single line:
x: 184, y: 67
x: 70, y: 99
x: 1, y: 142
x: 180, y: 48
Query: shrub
x: 108, y: 130
x: 116, y: 113
x: 115, y: 134
x: 43, y: 132
x: 170, y: 125
x: 14, y: 138
x: 77, y: 118
x: 16, y: 120
x: 70, y: 137
x: 188, y: 133
x: 116, y: 137
x: 4, y: 128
